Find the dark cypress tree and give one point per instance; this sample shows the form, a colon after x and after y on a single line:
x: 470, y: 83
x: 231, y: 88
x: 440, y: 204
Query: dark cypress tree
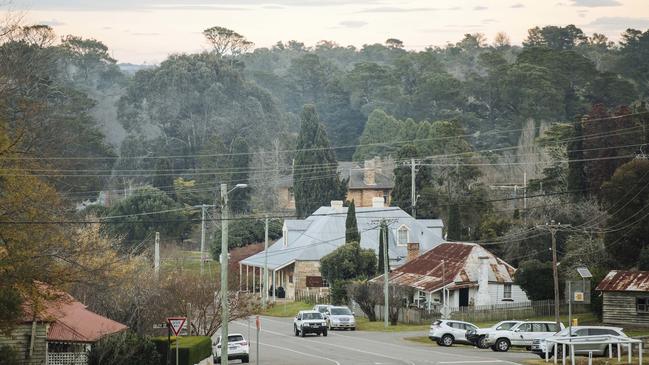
x: 454, y: 232
x: 401, y: 194
x: 351, y: 226
x: 239, y: 162
x: 382, y: 232
x: 315, y: 180
x: 577, y: 180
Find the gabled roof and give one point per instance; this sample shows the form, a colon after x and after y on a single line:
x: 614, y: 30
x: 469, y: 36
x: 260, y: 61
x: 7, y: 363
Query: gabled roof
x: 326, y: 231
x: 619, y: 280
x: 452, y: 264
x: 71, y: 321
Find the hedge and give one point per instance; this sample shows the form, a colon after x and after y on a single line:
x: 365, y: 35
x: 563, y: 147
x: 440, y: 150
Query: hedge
x: 191, y: 349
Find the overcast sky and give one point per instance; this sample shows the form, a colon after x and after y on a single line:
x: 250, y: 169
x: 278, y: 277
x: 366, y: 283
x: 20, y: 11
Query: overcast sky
x: 146, y: 31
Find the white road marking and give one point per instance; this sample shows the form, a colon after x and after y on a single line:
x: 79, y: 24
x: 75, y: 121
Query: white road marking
x: 299, y: 352
x: 342, y: 347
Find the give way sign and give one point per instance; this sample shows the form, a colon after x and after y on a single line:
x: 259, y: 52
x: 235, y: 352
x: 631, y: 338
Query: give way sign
x: 176, y: 324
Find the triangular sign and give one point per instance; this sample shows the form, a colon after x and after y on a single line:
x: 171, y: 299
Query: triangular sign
x: 176, y: 324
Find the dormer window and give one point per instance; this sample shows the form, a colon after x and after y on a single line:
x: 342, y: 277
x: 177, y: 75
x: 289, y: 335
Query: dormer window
x: 403, y: 235
x: 285, y: 236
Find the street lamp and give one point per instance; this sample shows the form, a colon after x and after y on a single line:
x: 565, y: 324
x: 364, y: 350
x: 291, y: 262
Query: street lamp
x: 224, y: 268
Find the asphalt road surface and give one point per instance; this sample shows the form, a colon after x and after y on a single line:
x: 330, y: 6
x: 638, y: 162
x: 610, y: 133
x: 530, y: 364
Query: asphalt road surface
x: 278, y: 345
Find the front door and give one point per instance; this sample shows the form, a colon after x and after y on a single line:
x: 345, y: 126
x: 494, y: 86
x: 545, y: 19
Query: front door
x: 464, y: 297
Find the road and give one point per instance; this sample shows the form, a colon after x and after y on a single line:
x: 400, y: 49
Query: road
x: 279, y: 346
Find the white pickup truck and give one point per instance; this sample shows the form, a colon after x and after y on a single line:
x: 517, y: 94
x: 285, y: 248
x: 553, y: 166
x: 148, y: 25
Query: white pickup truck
x: 521, y: 335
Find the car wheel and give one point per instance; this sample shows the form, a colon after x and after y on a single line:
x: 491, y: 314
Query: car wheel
x: 353, y: 328
x: 245, y: 360
x: 296, y: 331
x: 502, y: 345
x: 493, y: 348
x: 324, y: 333
x: 482, y: 342
x: 302, y: 332
x: 447, y: 340
x: 613, y: 353
x: 218, y: 360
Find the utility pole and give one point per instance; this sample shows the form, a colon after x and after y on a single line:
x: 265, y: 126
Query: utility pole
x: 156, y: 255
x: 264, y: 295
x: 386, y: 274
x: 224, y: 274
x: 413, y: 197
x: 553, y: 228
x: 203, y: 237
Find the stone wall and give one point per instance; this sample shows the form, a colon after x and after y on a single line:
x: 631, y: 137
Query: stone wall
x: 363, y: 197
x: 304, y: 269
x: 20, y: 339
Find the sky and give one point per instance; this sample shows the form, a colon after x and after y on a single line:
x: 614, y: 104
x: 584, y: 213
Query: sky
x: 147, y: 31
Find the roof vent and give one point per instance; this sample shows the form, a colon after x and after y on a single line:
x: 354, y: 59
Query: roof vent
x: 337, y: 204
x: 378, y: 202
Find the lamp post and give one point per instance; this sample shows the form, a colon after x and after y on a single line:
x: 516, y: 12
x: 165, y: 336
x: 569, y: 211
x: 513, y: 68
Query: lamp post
x: 224, y: 268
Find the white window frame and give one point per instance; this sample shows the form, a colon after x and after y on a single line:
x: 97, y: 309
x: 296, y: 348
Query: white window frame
x: 399, y: 230
x: 505, y: 286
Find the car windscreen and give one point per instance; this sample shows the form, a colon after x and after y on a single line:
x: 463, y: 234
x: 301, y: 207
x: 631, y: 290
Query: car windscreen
x: 307, y: 316
x: 341, y: 312
x: 506, y: 326
x: 322, y: 309
x: 235, y: 338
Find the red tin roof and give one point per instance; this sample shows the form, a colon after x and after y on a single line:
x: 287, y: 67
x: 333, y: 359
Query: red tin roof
x: 619, y: 280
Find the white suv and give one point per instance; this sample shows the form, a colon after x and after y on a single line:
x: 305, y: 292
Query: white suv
x: 238, y: 348
x: 447, y: 332
x: 539, y: 346
x: 521, y: 335
x: 309, y: 322
x: 477, y: 337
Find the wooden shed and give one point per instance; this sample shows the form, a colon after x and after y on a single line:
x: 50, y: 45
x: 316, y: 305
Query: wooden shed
x: 626, y: 297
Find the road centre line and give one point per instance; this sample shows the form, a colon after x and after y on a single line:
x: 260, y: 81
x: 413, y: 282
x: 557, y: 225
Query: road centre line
x: 342, y: 347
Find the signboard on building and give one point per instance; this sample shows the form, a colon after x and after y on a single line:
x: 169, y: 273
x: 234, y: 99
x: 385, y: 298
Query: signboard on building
x: 314, y: 282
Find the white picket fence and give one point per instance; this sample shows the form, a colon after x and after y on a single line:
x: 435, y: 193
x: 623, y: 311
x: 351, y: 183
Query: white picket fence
x: 67, y: 358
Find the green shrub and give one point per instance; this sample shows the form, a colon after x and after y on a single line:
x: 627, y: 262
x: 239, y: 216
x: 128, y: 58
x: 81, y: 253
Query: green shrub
x: 8, y: 356
x: 191, y: 350
x: 123, y: 349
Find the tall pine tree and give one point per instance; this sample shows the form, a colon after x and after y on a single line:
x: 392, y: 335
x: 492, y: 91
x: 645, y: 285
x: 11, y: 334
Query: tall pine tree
x: 454, y: 232
x: 239, y: 163
x: 382, y: 234
x: 351, y: 226
x: 315, y: 179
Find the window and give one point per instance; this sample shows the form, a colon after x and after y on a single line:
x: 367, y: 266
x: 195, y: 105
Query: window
x: 602, y: 331
x: 403, y: 234
x: 642, y: 305
x: 552, y: 327
x: 506, y: 326
x: 307, y: 316
x: 507, y: 291
x: 290, y: 278
x: 539, y: 327
x: 291, y: 195
x: 525, y: 327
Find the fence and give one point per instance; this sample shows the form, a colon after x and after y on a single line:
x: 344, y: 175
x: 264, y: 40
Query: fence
x: 67, y: 358
x: 313, y: 296
x: 485, y: 313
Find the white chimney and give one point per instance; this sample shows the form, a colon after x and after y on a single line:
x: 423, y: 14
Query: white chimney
x: 369, y: 172
x: 337, y: 204
x: 483, y: 297
x: 378, y: 202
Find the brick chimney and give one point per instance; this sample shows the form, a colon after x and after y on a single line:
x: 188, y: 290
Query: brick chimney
x: 369, y: 172
x: 413, y: 251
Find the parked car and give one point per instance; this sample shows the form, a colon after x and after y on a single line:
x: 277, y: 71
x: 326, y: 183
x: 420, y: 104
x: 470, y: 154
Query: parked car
x: 322, y: 308
x: 583, y: 348
x: 521, y: 335
x: 477, y: 336
x: 238, y: 348
x: 340, y: 318
x: 447, y: 332
x: 309, y: 322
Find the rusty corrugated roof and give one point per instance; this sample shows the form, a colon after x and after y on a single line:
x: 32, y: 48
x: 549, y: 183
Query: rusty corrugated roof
x: 619, y: 280
x: 449, y: 263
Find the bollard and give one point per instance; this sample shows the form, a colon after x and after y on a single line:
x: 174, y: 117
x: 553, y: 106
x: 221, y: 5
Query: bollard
x: 610, y: 350
x: 563, y: 353
x: 590, y: 358
x: 619, y: 353
x: 630, y: 352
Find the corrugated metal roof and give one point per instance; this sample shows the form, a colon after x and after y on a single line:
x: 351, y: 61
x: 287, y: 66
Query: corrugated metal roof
x: 450, y: 263
x: 326, y: 232
x: 619, y: 280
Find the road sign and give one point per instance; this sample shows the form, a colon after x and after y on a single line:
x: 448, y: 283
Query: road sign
x: 579, y: 296
x: 176, y: 324
x: 160, y: 325
x: 258, y: 323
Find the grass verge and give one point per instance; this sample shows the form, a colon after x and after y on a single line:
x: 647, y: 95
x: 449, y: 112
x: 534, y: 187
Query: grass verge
x: 362, y: 324
x: 286, y: 309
